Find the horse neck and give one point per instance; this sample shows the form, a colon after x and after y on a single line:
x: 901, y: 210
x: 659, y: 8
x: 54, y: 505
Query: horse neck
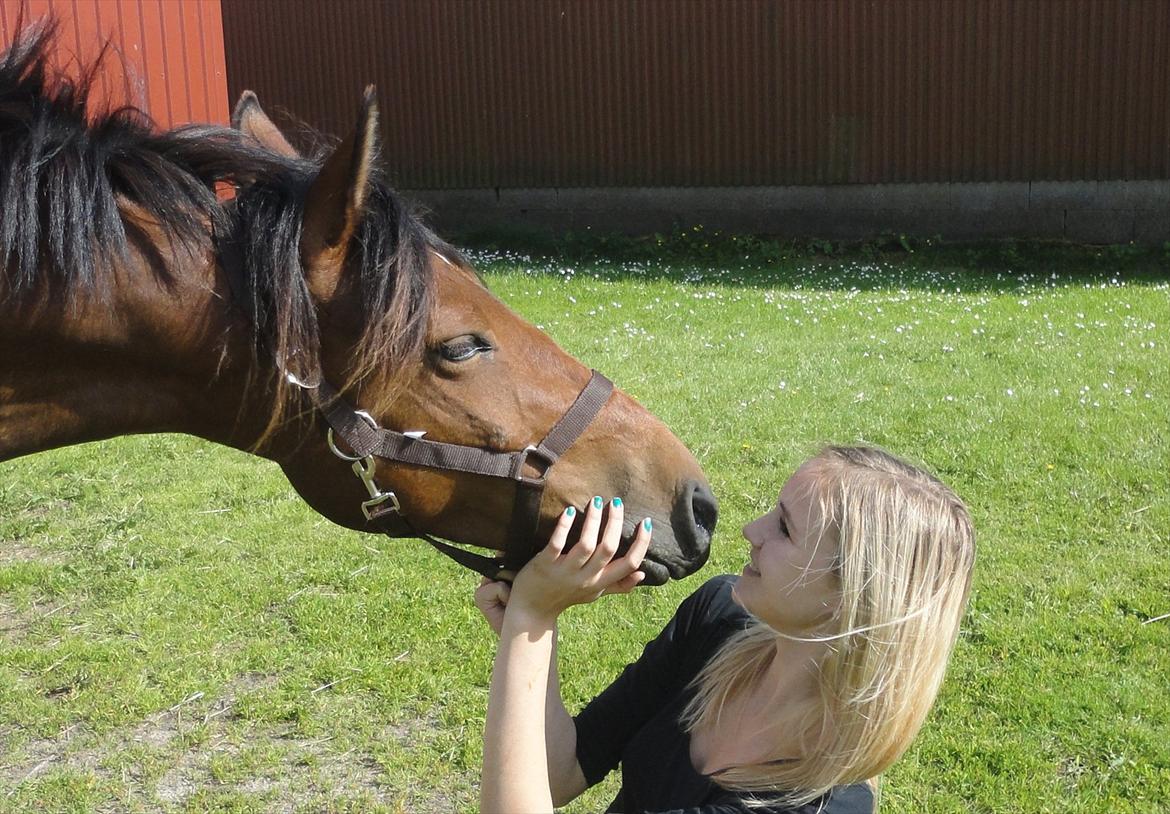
x: 153, y: 352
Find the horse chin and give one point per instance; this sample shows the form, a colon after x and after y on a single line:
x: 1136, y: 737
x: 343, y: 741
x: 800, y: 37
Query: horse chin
x: 656, y: 573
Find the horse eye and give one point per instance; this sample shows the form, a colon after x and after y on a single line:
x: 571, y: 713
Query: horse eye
x: 463, y: 348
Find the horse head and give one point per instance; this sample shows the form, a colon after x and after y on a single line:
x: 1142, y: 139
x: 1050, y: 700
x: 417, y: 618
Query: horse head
x: 412, y: 337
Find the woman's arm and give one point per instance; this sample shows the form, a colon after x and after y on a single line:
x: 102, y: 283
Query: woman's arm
x: 516, y: 768
x: 515, y: 764
x: 566, y: 780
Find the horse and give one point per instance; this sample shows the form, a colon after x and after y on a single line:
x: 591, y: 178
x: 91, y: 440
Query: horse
x: 217, y: 282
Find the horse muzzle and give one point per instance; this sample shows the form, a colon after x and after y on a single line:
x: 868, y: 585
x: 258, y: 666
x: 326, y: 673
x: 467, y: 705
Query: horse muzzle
x: 687, y: 547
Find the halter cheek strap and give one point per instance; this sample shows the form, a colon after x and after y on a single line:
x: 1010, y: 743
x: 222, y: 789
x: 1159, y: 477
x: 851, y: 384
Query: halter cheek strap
x: 528, y: 468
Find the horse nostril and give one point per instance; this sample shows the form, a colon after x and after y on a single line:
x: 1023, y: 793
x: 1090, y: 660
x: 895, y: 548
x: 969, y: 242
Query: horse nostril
x: 704, y: 509
x: 693, y: 522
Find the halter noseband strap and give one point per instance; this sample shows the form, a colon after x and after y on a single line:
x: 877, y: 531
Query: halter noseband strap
x: 368, y: 441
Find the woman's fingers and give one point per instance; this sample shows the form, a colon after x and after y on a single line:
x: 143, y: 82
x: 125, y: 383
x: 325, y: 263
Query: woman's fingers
x: 580, y: 553
x: 492, y: 592
x: 611, y: 536
x: 626, y: 584
x: 628, y: 565
x: 625, y: 571
x: 560, y: 534
x: 641, y: 543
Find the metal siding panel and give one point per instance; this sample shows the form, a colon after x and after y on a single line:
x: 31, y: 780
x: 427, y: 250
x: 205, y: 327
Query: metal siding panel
x: 142, y: 61
x: 1116, y: 100
x: 174, y: 74
x: 118, y: 81
x: 1135, y: 115
x: 193, y: 56
x: 1155, y: 137
x: 597, y: 92
x: 1076, y: 147
x: 1135, y: 150
x: 218, y: 103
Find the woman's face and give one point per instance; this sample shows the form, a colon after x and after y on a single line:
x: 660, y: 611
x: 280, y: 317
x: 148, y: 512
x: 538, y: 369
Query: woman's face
x: 791, y: 581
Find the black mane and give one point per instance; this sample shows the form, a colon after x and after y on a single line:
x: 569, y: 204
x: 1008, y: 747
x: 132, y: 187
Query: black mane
x: 64, y: 168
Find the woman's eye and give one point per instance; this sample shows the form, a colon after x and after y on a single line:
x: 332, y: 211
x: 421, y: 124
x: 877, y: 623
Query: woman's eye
x: 463, y: 348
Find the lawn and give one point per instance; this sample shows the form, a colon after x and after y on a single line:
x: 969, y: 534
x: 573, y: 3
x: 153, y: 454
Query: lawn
x: 179, y: 632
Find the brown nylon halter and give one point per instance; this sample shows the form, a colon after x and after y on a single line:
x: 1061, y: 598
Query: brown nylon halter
x: 367, y: 441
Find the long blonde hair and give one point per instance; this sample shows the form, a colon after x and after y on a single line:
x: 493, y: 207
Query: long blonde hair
x: 906, y: 556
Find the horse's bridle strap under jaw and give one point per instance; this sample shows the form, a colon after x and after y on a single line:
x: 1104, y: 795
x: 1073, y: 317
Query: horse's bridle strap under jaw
x: 366, y: 441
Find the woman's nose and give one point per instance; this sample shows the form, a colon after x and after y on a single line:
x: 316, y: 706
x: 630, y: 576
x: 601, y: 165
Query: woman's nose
x: 749, y: 535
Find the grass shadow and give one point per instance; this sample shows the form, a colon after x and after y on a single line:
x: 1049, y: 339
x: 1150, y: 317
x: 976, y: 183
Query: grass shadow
x: 701, y: 257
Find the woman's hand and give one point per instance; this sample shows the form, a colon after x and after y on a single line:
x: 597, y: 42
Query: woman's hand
x: 491, y: 597
x: 556, y: 579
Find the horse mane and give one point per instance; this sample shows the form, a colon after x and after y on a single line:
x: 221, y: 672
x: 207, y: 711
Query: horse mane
x: 64, y: 169
x: 62, y: 172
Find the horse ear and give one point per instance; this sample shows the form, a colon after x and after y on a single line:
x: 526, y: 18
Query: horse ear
x: 336, y: 201
x: 251, y: 120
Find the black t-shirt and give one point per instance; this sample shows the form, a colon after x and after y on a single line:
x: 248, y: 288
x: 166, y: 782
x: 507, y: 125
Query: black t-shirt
x: 635, y: 721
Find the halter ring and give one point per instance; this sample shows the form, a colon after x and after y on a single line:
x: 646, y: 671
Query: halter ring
x: 343, y: 456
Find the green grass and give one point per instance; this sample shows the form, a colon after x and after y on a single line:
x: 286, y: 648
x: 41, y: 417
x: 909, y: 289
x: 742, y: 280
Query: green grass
x: 179, y: 632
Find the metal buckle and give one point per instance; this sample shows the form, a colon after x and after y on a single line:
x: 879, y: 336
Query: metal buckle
x: 518, y: 470
x: 333, y: 447
x: 364, y: 469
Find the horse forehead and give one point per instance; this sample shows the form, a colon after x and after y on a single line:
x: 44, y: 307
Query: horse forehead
x: 463, y: 296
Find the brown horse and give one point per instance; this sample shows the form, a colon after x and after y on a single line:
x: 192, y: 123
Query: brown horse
x: 134, y: 299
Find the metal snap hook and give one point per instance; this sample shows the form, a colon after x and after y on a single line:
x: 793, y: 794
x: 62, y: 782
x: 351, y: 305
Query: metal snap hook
x: 364, y: 469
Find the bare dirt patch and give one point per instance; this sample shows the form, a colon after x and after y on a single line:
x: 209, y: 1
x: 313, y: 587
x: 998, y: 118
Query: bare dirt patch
x: 169, y: 757
x: 13, y: 623
x: 18, y: 551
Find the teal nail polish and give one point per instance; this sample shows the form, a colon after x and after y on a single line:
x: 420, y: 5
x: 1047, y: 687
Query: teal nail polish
x: 648, y: 524
x: 617, y: 502
x: 570, y: 511
x: 597, y: 502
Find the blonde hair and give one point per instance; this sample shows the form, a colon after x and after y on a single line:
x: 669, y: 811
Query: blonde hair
x: 906, y: 556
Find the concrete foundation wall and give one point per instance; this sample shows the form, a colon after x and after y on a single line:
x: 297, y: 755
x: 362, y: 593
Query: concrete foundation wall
x: 1083, y: 211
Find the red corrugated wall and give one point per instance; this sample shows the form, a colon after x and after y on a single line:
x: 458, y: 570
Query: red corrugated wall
x: 563, y: 93
x: 172, y: 52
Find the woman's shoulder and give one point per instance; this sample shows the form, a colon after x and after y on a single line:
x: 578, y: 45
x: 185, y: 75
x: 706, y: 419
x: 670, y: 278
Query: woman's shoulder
x: 713, y: 604
x: 855, y: 799
x: 717, y: 588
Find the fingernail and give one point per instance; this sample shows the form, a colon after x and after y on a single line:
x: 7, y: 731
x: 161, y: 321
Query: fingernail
x: 570, y: 511
x: 647, y: 524
x: 617, y: 502
x: 597, y: 502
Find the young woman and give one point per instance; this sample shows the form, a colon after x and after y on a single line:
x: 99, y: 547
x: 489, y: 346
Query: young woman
x: 784, y: 689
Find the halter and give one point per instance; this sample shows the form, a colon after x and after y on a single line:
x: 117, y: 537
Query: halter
x: 367, y: 441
